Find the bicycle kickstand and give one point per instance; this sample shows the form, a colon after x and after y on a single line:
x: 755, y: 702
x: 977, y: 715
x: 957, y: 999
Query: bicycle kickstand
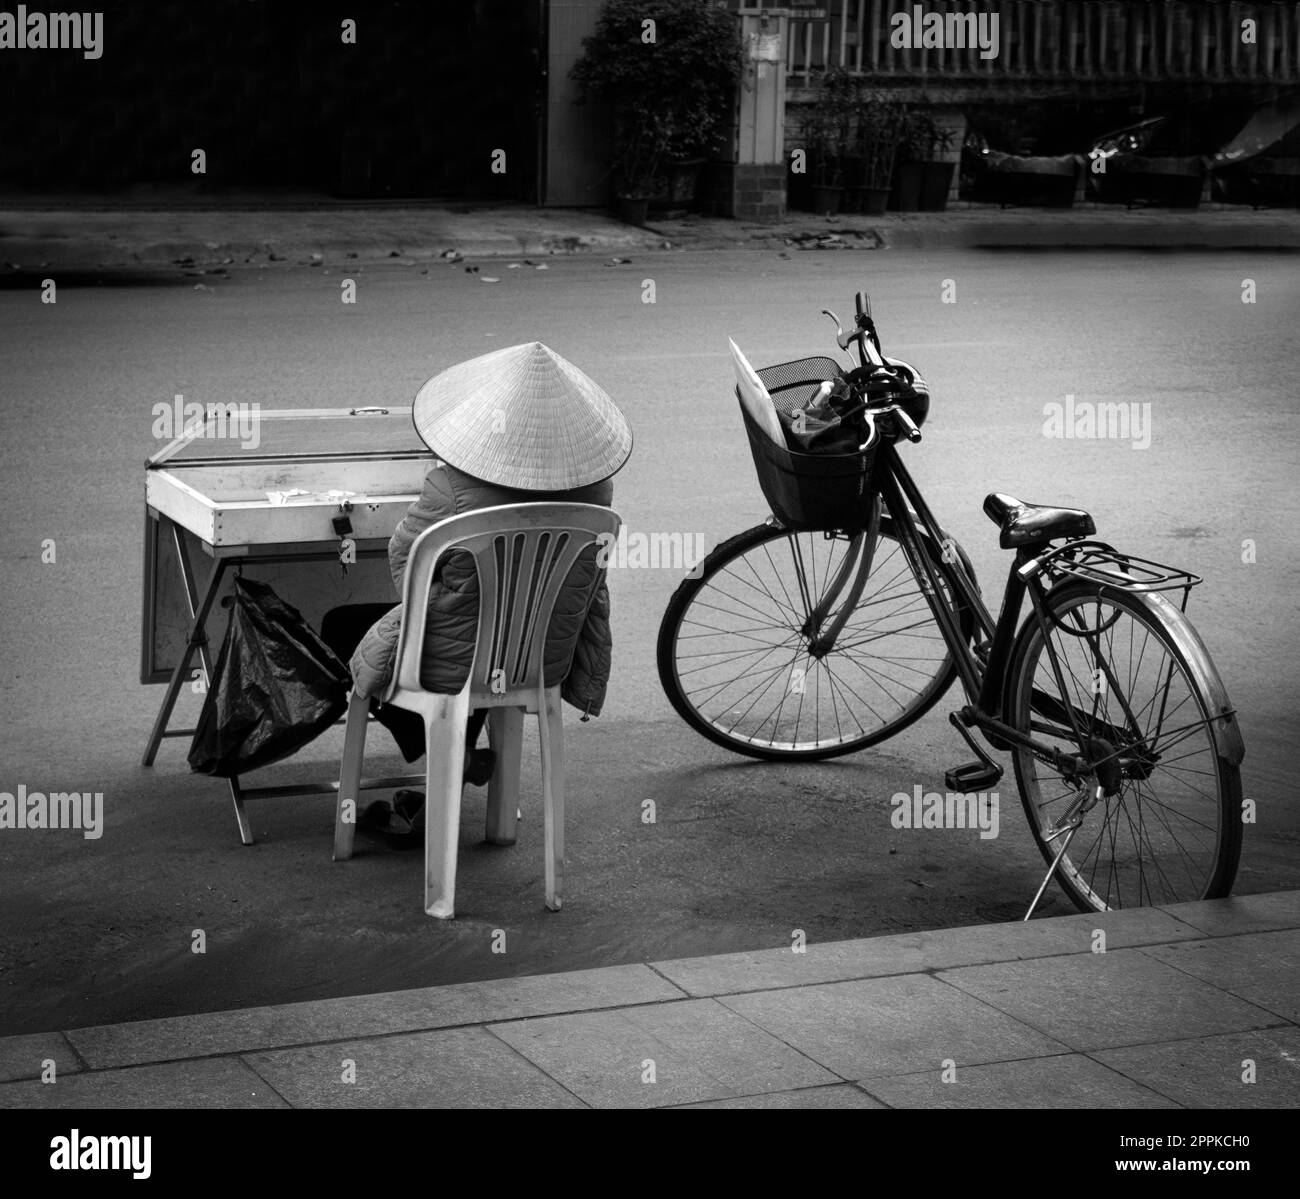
x: 1069, y: 832
x: 1074, y: 820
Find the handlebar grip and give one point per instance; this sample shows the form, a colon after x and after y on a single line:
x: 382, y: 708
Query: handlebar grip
x: 862, y: 304
x: 909, y: 426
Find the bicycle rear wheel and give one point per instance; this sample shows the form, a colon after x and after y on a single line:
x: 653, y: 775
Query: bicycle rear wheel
x: 1168, y: 827
x: 736, y: 656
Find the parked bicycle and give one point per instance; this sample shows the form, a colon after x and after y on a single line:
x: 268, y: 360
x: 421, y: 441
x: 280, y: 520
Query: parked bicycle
x: 848, y: 614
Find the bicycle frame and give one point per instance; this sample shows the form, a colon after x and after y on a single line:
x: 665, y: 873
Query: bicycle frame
x: 906, y: 505
x: 1082, y: 671
x: 983, y: 669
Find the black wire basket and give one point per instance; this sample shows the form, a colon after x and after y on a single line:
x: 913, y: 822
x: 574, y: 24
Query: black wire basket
x: 809, y: 492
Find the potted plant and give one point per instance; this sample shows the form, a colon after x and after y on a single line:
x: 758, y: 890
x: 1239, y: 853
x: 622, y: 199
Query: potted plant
x: 936, y: 174
x: 690, y: 134
x: 643, y: 142
x: 881, y: 125
x: 668, y: 86
x: 905, y: 194
x: 827, y: 135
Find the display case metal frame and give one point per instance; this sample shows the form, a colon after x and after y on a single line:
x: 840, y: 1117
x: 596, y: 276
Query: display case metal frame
x: 211, y: 497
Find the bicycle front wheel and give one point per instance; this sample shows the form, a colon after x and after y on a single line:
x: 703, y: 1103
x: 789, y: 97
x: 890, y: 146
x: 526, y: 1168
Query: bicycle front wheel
x: 738, y: 649
x: 1111, y: 684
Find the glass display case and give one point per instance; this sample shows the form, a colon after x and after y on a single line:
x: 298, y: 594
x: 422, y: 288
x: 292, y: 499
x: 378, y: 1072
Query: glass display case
x: 261, y: 491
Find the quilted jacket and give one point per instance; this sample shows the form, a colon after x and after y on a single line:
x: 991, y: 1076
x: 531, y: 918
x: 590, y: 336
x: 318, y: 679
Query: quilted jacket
x: 453, y: 599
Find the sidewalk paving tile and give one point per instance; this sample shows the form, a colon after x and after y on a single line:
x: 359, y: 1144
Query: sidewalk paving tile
x: 225, y: 1082
x: 1068, y: 1080
x: 698, y: 1048
x: 1209, y: 1071
x: 1102, y: 1000
x: 1181, y: 998
x: 810, y: 1097
x: 1241, y: 913
x: 25, y: 1056
x: 1262, y: 968
x: 907, y: 953
x: 426, y: 1008
x: 880, y: 1026
x: 459, y: 1067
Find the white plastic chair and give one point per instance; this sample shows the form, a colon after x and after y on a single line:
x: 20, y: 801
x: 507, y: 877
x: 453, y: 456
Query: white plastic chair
x: 523, y: 554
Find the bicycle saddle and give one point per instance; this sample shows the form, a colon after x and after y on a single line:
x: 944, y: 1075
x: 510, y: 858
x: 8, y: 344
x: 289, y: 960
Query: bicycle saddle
x: 1033, y: 524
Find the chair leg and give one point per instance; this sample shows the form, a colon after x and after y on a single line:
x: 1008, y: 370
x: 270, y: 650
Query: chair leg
x: 506, y: 735
x: 349, y: 801
x: 445, y: 748
x: 550, y: 721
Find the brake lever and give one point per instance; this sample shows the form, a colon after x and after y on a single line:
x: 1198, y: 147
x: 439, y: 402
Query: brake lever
x: 841, y: 339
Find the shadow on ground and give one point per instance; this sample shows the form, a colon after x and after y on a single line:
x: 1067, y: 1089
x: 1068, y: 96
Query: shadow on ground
x: 674, y: 849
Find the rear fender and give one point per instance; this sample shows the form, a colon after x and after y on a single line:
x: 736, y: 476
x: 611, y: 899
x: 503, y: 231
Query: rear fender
x: 1224, y: 724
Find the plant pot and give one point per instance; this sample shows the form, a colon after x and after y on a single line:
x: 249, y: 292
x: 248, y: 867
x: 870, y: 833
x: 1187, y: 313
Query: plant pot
x: 852, y: 173
x: 1274, y: 183
x: 1171, y: 182
x: 906, y: 193
x: 683, y: 181
x: 1028, y: 179
x: 936, y: 180
x: 875, y: 200
x: 826, y: 200
x: 798, y: 189
x: 632, y: 210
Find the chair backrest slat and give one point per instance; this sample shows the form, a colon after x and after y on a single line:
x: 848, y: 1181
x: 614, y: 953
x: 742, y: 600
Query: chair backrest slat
x: 523, y: 554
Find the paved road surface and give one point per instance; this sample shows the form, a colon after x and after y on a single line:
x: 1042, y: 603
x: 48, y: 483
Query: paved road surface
x: 742, y: 853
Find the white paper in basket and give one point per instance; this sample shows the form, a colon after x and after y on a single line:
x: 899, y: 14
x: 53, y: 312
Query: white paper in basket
x: 755, y: 397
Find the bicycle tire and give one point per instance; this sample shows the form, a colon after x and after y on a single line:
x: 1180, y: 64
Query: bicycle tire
x: 1135, y: 823
x: 820, y: 747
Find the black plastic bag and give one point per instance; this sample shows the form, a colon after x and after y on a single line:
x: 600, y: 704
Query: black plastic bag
x: 275, y: 687
x: 829, y: 424
x: 836, y: 423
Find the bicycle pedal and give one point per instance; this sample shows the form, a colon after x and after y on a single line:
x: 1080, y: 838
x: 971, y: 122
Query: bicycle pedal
x: 973, y: 777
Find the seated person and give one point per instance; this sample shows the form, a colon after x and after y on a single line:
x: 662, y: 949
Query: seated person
x: 520, y: 425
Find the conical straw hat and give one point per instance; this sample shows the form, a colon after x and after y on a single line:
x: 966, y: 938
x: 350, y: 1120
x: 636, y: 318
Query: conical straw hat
x: 523, y: 417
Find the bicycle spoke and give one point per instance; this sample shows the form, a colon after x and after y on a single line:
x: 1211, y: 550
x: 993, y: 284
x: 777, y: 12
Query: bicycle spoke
x: 754, y: 620
x: 1119, y: 697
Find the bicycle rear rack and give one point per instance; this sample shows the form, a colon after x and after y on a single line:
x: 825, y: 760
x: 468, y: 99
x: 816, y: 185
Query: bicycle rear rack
x: 1098, y: 562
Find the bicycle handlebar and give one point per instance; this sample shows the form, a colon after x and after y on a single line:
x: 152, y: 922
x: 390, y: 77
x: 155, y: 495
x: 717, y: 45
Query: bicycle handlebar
x: 909, y: 425
x: 870, y: 354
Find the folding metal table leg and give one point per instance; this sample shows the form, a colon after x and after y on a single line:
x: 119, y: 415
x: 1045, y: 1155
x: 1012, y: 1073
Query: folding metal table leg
x: 237, y: 798
x: 197, y: 640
